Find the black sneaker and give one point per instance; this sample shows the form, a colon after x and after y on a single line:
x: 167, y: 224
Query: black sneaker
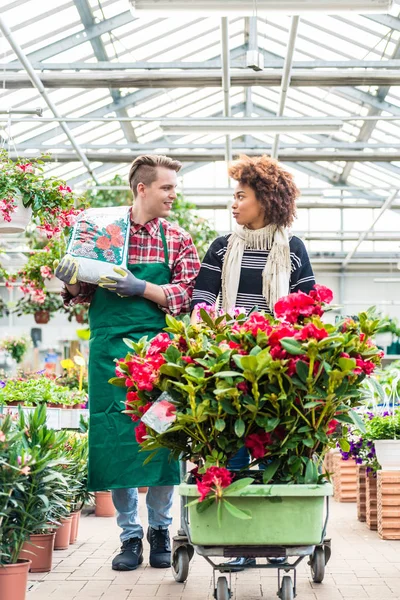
x: 130, y: 557
x: 160, y: 548
x: 239, y: 564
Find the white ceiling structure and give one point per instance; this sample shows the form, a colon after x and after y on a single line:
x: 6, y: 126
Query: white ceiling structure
x: 109, y: 81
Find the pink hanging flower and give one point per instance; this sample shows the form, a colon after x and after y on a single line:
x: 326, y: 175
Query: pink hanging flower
x: 64, y: 189
x: 26, y: 168
x: 46, y: 272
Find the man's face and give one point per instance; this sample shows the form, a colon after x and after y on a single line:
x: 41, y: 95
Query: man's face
x: 158, y: 197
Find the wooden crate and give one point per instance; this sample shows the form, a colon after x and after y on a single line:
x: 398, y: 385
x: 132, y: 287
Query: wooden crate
x: 388, y: 498
x: 371, y: 508
x: 345, y: 479
x: 361, y: 493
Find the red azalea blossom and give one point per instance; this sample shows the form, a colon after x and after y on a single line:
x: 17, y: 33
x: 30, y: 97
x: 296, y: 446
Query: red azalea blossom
x: 257, y: 443
x: 140, y: 433
x: 255, y: 323
x: 159, y: 344
x: 320, y: 293
x: 332, y: 426
x: 311, y: 331
x: 187, y: 359
x: 214, y: 479
x: 293, y: 306
x: 364, y: 366
x: 243, y: 386
x: 132, y: 397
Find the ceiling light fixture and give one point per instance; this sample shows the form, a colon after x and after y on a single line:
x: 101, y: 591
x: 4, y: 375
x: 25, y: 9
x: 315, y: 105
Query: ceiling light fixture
x: 247, y: 7
x: 241, y: 126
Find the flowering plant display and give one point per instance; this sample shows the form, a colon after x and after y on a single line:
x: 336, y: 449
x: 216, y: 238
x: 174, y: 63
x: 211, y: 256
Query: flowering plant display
x: 16, y: 346
x: 278, y: 386
x: 51, y: 200
x: 37, y: 301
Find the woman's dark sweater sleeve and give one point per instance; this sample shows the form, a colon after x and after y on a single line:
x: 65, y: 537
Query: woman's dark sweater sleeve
x: 208, y: 283
x: 302, y: 277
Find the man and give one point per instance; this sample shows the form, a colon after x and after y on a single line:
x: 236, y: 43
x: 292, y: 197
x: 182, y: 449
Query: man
x: 162, y: 267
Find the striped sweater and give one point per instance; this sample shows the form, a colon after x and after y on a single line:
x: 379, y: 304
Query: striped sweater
x: 208, y: 284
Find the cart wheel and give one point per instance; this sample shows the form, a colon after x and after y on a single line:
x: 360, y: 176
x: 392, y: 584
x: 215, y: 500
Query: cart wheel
x: 180, y: 564
x: 317, y: 564
x: 286, y: 592
x: 222, y: 592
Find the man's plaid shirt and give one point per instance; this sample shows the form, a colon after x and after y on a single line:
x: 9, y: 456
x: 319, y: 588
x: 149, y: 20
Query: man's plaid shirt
x: 145, y: 246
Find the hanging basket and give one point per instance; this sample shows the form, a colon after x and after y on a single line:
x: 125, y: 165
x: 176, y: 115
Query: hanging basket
x: 20, y: 219
x: 53, y: 285
x: 42, y: 317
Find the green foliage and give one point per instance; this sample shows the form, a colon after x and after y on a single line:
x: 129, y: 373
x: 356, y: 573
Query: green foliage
x: 384, y: 427
x: 39, y: 390
x: 16, y: 347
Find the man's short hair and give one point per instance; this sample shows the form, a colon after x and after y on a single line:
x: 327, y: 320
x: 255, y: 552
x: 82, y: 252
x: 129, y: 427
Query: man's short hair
x: 144, y: 169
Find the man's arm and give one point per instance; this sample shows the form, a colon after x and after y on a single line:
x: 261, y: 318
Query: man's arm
x: 156, y: 294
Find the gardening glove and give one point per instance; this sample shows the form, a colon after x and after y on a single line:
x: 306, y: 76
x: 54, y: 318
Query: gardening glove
x: 124, y: 285
x: 67, y: 270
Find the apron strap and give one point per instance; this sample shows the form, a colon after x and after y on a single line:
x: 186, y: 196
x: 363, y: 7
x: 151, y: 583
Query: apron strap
x: 164, y: 241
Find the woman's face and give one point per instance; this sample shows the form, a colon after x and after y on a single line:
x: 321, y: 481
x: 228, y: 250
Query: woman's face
x: 246, y: 209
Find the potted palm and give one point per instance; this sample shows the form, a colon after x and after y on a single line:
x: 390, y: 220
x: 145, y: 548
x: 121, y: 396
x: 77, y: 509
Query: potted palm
x: 27, y: 192
x: 275, y: 386
x: 15, y: 466
x: 44, y: 496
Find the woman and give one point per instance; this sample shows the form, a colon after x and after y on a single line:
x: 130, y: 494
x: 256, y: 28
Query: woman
x: 260, y: 261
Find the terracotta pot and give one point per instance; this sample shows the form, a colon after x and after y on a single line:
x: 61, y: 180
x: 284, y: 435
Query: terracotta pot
x: 42, y: 316
x: 74, y: 526
x: 80, y: 318
x: 15, y: 403
x: 63, y: 534
x: 53, y: 405
x: 104, y: 504
x: 143, y: 490
x: 39, y: 550
x: 14, y: 580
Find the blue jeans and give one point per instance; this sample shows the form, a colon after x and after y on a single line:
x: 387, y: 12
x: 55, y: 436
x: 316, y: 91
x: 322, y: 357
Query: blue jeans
x: 158, y: 501
x: 241, y: 460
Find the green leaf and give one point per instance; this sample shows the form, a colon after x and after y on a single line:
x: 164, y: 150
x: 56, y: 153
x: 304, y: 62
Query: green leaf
x: 238, y: 485
x: 347, y: 364
x: 228, y: 374
x: 130, y: 343
x: 202, y: 506
x: 344, y: 445
x: 206, y: 318
x: 239, y: 427
x: 227, y: 406
x: 172, y: 354
x: 196, y: 372
x: 219, y: 513
x: 292, y: 346
x: 270, y: 470
x: 249, y: 363
x: 312, y: 404
x: 150, y: 457
x: 302, y: 370
x: 311, y: 475
x: 308, y: 442
x: 118, y: 381
x: 220, y: 424
x: 271, y: 424
x: 357, y: 420
x: 237, y: 512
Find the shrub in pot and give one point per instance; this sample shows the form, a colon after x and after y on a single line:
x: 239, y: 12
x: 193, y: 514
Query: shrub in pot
x: 42, y: 305
x: 276, y: 386
x: 384, y: 430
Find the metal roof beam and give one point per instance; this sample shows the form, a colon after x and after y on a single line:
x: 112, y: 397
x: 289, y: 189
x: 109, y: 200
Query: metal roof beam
x: 86, y: 15
x: 198, y: 79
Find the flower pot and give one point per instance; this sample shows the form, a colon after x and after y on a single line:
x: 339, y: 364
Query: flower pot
x: 15, y: 403
x: 39, y: 550
x: 80, y: 318
x: 361, y: 492
x: 14, y: 580
x: 388, y: 454
x: 19, y: 220
x: 104, y: 506
x: 42, y: 317
x: 143, y: 490
x: 281, y: 515
x: 371, y: 502
x: 74, y: 526
x: 63, y: 534
x: 53, y: 285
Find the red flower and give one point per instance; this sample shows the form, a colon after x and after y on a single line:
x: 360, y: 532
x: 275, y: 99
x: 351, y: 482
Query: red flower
x: 364, y: 366
x: 296, y: 305
x: 159, y: 344
x: 278, y: 333
x: 243, y: 386
x: 145, y: 408
x: 320, y: 293
x: 103, y: 242
x: 132, y: 397
x: 140, y: 433
x: 187, y: 359
x: 215, y: 479
x: 311, y: 331
x: 255, y: 323
x: 257, y: 443
x: 332, y: 426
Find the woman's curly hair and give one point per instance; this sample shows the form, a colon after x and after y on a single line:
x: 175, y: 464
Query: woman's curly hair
x: 274, y: 187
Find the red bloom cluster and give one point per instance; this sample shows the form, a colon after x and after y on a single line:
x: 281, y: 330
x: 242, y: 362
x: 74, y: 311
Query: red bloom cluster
x: 255, y: 323
x: 159, y: 344
x: 333, y: 423
x: 258, y: 444
x: 140, y: 433
x: 143, y: 371
x: 311, y: 331
x: 214, y: 480
x: 292, y: 307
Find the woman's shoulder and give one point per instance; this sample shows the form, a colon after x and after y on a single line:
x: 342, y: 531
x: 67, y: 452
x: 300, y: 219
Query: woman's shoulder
x: 297, y: 245
x: 220, y: 243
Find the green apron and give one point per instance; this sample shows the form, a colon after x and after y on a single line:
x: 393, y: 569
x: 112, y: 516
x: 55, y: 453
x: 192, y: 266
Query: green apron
x: 114, y: 457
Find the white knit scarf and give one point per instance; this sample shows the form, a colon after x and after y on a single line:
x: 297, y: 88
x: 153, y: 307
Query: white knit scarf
x: 276, y: 274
